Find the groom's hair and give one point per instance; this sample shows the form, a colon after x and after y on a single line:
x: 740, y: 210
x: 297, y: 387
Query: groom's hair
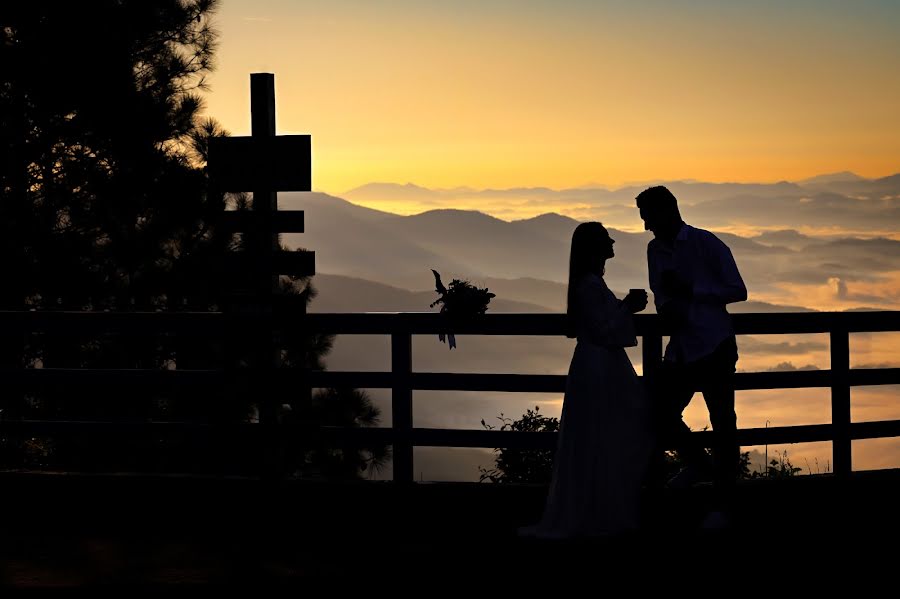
x: 658, y: 197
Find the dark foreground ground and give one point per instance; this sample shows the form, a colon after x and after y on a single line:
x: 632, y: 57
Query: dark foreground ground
x: 65, y: 531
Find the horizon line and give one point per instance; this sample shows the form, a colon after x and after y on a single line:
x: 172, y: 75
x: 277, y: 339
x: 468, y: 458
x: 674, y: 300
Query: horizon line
x: 613, y: 187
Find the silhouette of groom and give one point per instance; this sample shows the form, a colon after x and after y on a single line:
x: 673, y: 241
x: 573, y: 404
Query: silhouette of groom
x: 693, y: 276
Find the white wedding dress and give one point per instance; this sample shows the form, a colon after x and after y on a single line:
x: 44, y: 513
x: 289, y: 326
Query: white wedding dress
x: 605, y: 440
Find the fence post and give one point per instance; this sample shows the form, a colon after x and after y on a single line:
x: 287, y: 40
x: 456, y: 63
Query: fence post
x: 651, y: 360
x: 840, y: 400
x: 264, y: 245
x: 401, y: 405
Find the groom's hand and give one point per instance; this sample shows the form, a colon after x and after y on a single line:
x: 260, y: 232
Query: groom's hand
x: 674, y: 286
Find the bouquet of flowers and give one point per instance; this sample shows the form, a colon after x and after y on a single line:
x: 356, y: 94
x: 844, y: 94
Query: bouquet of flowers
x: 460, y: 301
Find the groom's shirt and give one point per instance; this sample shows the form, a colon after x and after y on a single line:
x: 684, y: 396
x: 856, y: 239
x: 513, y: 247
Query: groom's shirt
x: 706, y: 264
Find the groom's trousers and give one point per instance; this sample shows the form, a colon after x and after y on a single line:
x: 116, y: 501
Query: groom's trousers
x: 712, y: 375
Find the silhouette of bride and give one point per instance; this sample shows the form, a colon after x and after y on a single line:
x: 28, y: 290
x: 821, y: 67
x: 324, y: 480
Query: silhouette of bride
x: 605, y: 435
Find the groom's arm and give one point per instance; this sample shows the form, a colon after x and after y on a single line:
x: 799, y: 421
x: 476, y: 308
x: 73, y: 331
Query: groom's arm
x: 654, y: 270
x: 725, y: 284
x: 672, y: 308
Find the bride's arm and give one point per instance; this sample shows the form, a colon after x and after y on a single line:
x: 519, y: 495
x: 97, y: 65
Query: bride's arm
x: 607, y: 320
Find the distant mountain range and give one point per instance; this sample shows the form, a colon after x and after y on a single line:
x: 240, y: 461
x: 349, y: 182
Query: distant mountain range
x: 829, y: 178
x: 698, y: 190
x: 400, y: 251
x: 790, y: 204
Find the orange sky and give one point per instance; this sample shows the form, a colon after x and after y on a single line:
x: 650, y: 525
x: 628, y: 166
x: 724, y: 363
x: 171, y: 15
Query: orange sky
x: 561, y: 94
x: 565, y: 93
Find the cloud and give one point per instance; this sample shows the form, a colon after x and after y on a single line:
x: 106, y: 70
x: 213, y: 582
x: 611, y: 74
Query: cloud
x: 840, y: 287
x: 751, y: 344
x: 822, y: 210
x: 838, y: 294
x: 789, y: 367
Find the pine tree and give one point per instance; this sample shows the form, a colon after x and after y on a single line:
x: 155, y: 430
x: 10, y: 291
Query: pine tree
x: 105, y: 205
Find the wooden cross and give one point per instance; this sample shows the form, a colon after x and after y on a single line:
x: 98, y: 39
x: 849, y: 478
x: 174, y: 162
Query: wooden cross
x: 265, y: 163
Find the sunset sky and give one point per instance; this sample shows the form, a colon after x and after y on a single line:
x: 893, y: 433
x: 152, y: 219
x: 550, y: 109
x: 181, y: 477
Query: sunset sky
x: 495, y: 94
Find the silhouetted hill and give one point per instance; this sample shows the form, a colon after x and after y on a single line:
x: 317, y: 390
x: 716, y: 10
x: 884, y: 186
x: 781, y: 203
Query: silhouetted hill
x: 394, y: 191
x: 515, y: 249
x: 549, y: 294
x: 396, y: 250
x: 493, y: 246
x: 883, y: 188
x: 359, y: 242
x: 840, y: 177
x: 549, y: 224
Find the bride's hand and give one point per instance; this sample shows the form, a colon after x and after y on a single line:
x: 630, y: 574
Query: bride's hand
x: 635, y: 301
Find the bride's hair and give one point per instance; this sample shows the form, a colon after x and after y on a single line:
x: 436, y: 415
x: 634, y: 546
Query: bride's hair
x: 587, y: 245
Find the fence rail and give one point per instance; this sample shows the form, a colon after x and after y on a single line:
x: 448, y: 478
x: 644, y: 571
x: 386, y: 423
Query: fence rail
x: 403, y: 381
